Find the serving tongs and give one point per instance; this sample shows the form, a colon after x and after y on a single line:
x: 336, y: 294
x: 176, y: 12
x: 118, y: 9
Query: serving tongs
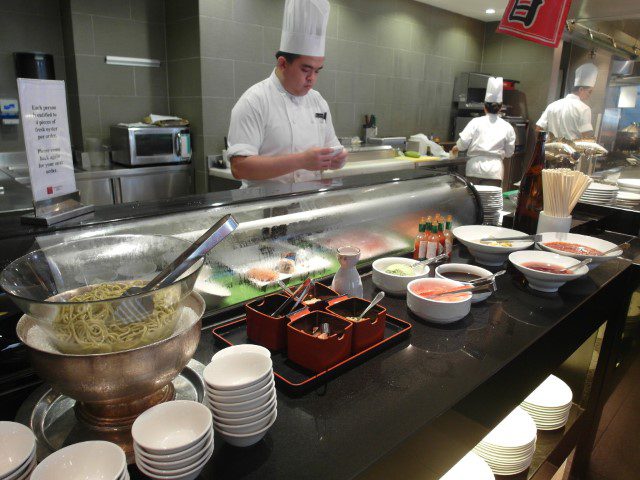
x: 302, y: 290
x: 429, y: 261
x: 491, y: 287
x: 489, y: 279
x: 525, y: 238
x: 135, y: 309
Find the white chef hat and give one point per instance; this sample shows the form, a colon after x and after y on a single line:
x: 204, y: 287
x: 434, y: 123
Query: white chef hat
x: 494, y: 90
x: 304, y: 27
x: 586, y: 75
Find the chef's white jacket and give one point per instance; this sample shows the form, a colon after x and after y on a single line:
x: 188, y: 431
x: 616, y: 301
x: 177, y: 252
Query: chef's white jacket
x: 268, y: 120
x: 487, y: 140
x: 566, y: 118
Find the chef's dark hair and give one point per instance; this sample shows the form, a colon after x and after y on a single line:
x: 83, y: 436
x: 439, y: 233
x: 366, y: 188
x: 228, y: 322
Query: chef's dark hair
x: 577, y: 88
x: 289, y: 57
x: 492, y: 107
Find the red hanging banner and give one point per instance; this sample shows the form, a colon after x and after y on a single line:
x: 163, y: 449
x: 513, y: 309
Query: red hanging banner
x: 540, y: 21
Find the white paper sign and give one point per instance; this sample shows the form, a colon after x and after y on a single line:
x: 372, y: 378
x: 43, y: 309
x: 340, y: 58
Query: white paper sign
x: 43, y: 108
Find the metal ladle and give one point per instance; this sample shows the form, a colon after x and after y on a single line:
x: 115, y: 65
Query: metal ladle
x: 373, y: 303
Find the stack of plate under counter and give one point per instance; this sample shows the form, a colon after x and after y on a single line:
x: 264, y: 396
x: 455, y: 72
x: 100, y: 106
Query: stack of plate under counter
x: 600, y: 194
x: 492, y: 203
x: 508, y: 449
x: 471, y: 466
x: 549, y: 404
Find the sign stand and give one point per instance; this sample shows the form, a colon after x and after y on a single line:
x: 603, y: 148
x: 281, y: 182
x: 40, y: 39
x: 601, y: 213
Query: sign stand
x: 48, y: 149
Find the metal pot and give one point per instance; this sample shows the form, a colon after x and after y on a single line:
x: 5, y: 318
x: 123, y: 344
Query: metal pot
x: 628, y: 139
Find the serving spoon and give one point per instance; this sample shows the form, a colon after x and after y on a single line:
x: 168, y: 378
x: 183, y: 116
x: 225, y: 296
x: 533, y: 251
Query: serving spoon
x: 373, y: 303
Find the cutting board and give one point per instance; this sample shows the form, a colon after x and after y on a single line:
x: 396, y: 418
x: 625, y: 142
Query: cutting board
x: 423, y: 158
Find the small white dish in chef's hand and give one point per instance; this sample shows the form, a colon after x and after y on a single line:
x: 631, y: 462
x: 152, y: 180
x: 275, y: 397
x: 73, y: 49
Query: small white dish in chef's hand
x: 395, y: 284
x: 466, y: 268
x: 237, y: 370
x: 546, y: 281
x: 434, y: 309
x: 584, y: 240
x: 469, y: 236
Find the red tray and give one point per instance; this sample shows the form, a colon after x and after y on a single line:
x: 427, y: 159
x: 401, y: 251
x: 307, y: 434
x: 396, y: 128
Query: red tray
x: 295, y: 379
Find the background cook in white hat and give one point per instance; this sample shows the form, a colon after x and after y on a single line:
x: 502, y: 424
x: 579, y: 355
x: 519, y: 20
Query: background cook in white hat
x: 570, y: 117
x: 281, y: 129
x: 487, y: 140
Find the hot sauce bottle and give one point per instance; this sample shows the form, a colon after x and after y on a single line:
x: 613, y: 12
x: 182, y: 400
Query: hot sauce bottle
x: 448, y: 237
x: 432, y: 241
x: 420, y: 245
x: 441, y: 237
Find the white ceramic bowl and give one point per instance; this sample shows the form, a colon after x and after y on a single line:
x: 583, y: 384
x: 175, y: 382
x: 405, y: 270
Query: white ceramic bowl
x: 228, y: 414
x: 585, y: 240
x: 248, y: 428
x: 243, y: 348
x: 487, y: 254
x: 180, y: 473
x: 248, y: 419
x: 546, y: 281
x: 17, y: 443
x: 245, y: 440
x: 171, y: 427
x: 435, y: 310
x: 212, y: 292
x: 182, y: 454
x: 465, y: 268
x: 95, y: 459
x: 24, y: 472
x: 394, y: 284
x: 263, y: 399
x: 241, y: 391
x: 237, y: 370
x: 160, y: 462
x: 232, y: 399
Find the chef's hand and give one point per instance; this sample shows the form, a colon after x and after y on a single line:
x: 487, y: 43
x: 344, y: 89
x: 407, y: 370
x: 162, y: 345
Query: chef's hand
x: 339, y: 160
x: 317, y: 159
x: 454, y: 152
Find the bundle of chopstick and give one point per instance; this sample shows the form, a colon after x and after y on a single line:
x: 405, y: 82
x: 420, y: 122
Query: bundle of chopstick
x: 561, y: 189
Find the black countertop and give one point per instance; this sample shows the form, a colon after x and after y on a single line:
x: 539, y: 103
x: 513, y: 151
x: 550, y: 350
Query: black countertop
x: 507, y: 344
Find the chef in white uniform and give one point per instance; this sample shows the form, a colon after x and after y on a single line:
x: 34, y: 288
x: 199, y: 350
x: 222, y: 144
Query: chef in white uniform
x: 281, y: 130
x: 487, y: 140
x: 570, y: 117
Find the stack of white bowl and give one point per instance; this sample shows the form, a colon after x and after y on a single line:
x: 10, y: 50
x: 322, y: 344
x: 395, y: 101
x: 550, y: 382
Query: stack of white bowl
x: 492, y: 203
x: 508, y: 449
x: 17, y: 451
x: 549, y: 404
x: 173, y: 440
x: 241, y: 394
x: 92, y: 459
x: 471, y: 466
x: 600, y: 194
x: 631, y: 185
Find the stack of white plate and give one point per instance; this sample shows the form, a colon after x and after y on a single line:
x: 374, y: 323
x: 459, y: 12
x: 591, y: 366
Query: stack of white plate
x: 241, y: 394
x: 173, y: 440
x: 631, y: 185
x: 600, y: 194
x: 92, y: 459
x: 508, y: 449
x: 471, y: 466
x: 491, y: 198
x: 17, y: 451
x: 628, y: 199
x: 549, y: 404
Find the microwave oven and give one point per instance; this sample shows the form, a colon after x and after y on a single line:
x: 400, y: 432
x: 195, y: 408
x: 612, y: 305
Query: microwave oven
x: 136, y: 146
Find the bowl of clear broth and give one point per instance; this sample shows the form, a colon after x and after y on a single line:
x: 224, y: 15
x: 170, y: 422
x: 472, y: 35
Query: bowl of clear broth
x: 461, y: 272
x: 579, y: 246
x: 546, y: 271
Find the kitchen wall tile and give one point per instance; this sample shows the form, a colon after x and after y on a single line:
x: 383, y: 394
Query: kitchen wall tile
x: 189, y: 108
x: 355, y: 87
x: 97, y: 78
x: 373, y: 59
x: 151, y: 81
x: 246, y: 74
x: 341, y: 55
x: 216, y: 113
x: 216, y: 8
x: 384, y: 89
x: 326, y: 84
x: 270, y: 44
x: 201, y: 181
x: 8, y: 86
x: 183, y: 39
x: 148, y: 10
x: 227, y: 39
x: 332, y: 24
x: 451, y: 42
x: 59, y: 67
x: 129, y: 38
x: 409, y: 91
x: 362, y: 109
x: 217, y: 78
x: 82, y: 26
x: 394, y: 33
x: 176, y: 10
x: 344, y: 121
x: 20, y: 32
x: 259, y: 12
x: 184, y: 78
x: 89, y: 109
x: 383, y: 113
x: 424, y: 37
x: 112, y: 8
x: 356, y: 27
x: 45, y: 8
x: 408, y: 64
x: 444, y: 94
x: 384, y: 7
x: 114, y: 110
x: 71, y: 74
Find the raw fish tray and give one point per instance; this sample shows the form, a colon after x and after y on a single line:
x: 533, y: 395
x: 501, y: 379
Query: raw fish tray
x: 294, y: 379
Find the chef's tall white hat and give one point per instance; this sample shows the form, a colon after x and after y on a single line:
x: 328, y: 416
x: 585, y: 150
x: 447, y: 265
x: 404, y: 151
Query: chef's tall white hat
x: 304, y: 27
x: 586, y: 75
x: 494, y: 90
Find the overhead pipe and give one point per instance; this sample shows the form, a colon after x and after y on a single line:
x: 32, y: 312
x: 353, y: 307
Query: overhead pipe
x: 603, y: 40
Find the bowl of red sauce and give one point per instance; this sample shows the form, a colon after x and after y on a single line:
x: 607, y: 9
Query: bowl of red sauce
x: 578, y: 246
x: 447, y: 308
x: 546, y: 271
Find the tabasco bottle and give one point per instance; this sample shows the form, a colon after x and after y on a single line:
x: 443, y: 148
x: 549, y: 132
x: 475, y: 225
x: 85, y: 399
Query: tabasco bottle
x: 420, y: 244
x: 441, y: 237
x: 432, y: 241
x: 448, y: 237
x: 530, y: 201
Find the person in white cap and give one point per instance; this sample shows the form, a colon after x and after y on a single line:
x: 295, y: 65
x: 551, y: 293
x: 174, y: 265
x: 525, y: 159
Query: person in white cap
x: 281, y: 129
x: 487, y: 140
x: 570, y: 117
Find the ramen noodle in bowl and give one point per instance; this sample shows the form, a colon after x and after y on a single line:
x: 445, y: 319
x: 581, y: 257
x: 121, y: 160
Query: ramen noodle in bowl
x: 88, y: 324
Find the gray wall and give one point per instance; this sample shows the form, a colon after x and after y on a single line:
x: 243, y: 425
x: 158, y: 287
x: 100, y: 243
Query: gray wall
x: 517, y: 59
x: 395, y: 58
x: 26, y: 26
